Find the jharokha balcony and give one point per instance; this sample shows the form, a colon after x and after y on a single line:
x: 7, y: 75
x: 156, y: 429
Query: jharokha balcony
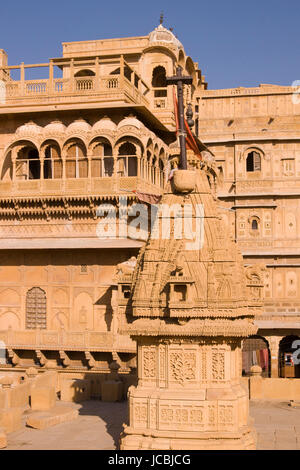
x: 82, y: 160
x: 121, y: 85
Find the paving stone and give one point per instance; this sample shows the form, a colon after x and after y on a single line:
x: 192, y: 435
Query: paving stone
x: 98, y: 427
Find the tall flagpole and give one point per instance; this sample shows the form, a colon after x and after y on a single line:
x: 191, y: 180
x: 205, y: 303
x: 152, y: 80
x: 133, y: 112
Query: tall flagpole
x: 180, y: 80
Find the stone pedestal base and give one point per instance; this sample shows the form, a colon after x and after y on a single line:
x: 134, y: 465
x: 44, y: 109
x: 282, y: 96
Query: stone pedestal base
x: 199, y: 402
x: 245, y: 439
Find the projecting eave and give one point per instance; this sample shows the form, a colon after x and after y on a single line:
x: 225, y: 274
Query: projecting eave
x: 67, y: 243
x: 141, y: 112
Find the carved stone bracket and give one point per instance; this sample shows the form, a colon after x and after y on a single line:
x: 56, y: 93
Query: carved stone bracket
x: 92, y: 208
x: 90, y: 360
x: 64, y: 358
x: 67, y: 209
x: 13, y: 357
x: 17, y: 209
x: 45, y: 209
x: 41, y: 357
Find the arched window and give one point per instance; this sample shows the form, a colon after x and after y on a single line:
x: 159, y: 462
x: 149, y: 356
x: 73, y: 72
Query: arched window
x: 127, y: 162
x: 253, y: 161
x: 76, y: 162
x: 161, y: 173
x: 148, y: 164
x: 102, y: 160
x: 84, y: 80
x: 52, y: 163
x: 153, y: 170
x: 159, y: 81
x: 36, y: 309
x: 254, y: 224
x: 84, y: 73
x: 28, y: 164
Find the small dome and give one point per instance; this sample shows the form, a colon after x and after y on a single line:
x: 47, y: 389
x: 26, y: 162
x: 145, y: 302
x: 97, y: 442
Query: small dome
x: 79, y: 125
x: 162, y: 34
x: 55, y: 127
x: 104, y: 123
x: 30, y: 128
x: 130, y: 121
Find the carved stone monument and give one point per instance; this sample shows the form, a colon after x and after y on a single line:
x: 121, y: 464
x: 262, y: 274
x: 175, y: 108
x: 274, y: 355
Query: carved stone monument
x: 191, y: 304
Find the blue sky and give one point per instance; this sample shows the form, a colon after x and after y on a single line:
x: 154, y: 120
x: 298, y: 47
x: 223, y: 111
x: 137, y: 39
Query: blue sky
x: 237, y: 43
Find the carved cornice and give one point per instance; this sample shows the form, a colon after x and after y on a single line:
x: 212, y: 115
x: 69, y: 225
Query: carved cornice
x: 55, y: 207
x: 195, y: 327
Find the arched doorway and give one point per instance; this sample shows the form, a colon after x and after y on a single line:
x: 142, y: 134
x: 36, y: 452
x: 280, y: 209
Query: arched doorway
x: 255, y: 351
x: 287, y: 352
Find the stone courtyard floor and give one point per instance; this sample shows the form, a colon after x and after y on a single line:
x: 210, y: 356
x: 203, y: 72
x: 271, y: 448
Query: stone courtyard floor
x: 99, y: 424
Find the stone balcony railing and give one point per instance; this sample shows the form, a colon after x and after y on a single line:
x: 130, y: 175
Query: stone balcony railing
x: 263, y: 89
x: 74, y: 90
x: 114, y: 185
x: 66, y: 340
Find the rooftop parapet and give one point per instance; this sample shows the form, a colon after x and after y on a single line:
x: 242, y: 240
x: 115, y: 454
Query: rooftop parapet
x: 122, y: 86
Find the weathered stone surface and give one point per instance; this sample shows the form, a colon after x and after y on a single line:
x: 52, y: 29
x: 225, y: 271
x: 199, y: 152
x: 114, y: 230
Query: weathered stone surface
x: 59, y: 414
x: 43, y: 398
x: 11, y: 419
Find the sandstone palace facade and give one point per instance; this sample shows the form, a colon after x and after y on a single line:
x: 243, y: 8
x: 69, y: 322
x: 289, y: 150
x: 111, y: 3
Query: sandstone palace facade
x: 99, y: 130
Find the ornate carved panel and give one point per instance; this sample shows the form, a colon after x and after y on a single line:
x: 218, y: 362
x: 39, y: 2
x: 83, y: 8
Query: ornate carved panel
x: 140, y: 414
x: 36, y: 309
x: 225, y: 415
x: 183, y: 366
x: 149, y: 362
x: 218, y: 366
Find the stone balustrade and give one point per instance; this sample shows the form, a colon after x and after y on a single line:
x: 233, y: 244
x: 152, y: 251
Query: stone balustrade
x: 97, y: 186
x: 65, y: 340
x: 104, y: 88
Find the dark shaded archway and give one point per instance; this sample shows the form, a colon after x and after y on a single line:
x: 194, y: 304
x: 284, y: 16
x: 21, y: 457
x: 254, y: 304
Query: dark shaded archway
x: 255, y: 350
x: 288, y: 367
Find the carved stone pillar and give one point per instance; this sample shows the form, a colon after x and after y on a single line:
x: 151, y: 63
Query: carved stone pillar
x: 13, y: 357
x: 89, y: 158
x: 14, y: 155
x: 274, y: 354
x: 42, y: 168
x: 188, y: 332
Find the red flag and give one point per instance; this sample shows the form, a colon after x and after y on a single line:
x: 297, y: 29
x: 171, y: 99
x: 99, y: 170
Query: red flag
x: 190, y: 141
x: 149, y: 198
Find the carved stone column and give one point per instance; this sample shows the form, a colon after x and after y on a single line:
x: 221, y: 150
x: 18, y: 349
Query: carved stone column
x: 274, y: 354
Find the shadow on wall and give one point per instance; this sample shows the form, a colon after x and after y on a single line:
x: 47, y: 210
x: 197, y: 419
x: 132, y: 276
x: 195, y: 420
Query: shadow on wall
x: 105, y: 300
